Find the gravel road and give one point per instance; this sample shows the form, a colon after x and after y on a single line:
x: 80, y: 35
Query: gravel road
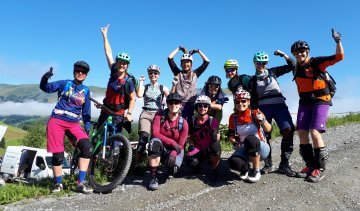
x: 339, y: 190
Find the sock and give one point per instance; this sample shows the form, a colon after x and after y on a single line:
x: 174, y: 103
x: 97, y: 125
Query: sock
x: 82, y: 175
x: 153, y: 171
x: 58, y: 180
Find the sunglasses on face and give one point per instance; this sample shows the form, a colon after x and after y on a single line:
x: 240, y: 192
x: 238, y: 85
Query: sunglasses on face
x: 78, y: 71
x: 153, y: 73
x: 240, y: 101
x: 261, y: 63
x: 301, y: 50
x: 174, y: 103
x: 202, y: 105
x: 230, y: 70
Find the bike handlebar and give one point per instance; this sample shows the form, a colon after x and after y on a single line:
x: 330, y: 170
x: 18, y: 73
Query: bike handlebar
x: 103, y: 107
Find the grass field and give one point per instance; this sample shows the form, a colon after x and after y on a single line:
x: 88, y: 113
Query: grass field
x: 12, y: 136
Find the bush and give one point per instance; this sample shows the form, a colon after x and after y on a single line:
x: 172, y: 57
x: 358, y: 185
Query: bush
x: 36, y: 137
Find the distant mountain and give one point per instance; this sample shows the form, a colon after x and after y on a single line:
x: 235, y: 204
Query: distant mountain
x: 26, y: 92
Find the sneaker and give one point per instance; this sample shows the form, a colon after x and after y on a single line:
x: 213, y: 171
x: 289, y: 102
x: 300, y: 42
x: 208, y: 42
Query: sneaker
x: 58, y: 187
x: 84, y: 188
x: 253, y: 176
x: 304, y: 173
x: 153, y: 185
x: 315, y: 176
x: 267, y: 169
x: 244, y: 175
x: 286, y: 169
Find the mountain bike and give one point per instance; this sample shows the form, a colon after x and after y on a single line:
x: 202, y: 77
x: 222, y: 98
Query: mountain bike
x: 112, y: 153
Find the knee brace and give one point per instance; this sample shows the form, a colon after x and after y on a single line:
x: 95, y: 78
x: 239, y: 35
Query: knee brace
x: 143, y: 140
x: 287, y: 144
x: 321, y: 157
x: 215, y: 148
x: 57, y: 159
x: 252, y: 145
x: 86, y: 148
x: 155, y: 147
x: 237, y: 163
x: 192, y: 161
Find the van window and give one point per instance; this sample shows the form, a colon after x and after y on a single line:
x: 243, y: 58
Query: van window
x: 65, y: 164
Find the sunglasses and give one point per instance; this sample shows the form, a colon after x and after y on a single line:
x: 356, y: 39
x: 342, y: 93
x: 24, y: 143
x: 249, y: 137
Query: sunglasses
x: 301, y: 50
x: 202, y: 105
x: 240, y: 101
x: 261, y: 63
x: 174, y: 103
x: 230, y: 70
x: 78, y: 71
x: 153, y: 73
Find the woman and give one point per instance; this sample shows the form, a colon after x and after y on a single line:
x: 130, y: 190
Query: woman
x: 205, y: 137
x: 314, y: 103
x: 213, y: 90
x: 73, y: 105
x: 236, y: 81
x: 153, y: 94
x: 267, y: 96
x: 120, y: 92
x: 169, y: 134
x: 246, y: 133
x: 185, y: 79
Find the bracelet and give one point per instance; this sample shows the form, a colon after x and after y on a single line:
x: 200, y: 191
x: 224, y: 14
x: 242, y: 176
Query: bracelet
x: 128, y: 113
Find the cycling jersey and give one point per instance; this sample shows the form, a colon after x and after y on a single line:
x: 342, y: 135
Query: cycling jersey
x: 153, y: 97
x: 202, y: 135
x: 237, y: 82
x: 219, y: 99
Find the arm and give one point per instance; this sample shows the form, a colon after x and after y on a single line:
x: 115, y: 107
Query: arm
x: 281, y: 70
x: 266, y: 126
x: 107, y: 48
x: 204, y: 65
x: 183, y: 135
x: 166, y: 91
x: 231, y: 130
x: 156, y: 133
x: 175, y: 81
x: 174, y: 68
x: 86, y: 113
x: 216, y: 106
x: 131, y: 106
x: 141, y: 89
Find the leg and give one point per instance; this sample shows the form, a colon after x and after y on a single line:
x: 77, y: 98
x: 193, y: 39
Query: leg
x: 252, y: 147
x: 155, y: 150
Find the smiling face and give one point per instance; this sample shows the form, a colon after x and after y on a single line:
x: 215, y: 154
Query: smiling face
x: 260, y: 66
x: 213, y: 88
x: 174, y: 106
x: 231, y: 72
x: 80, y: 74
x: 301, y: 55
x: 122, y: 66
x: 186, y: 65
x: 153, y: 75
x: 202, y: 108
x: 242, y: 104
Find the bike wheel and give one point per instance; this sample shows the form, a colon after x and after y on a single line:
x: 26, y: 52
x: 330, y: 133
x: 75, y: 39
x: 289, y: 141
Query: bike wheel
x: 106, y: 174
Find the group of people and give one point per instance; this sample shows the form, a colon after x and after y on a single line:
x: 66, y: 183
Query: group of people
x: 184, y: 128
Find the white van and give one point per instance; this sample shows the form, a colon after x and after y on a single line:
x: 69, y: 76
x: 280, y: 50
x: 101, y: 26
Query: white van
x: 28, y: 163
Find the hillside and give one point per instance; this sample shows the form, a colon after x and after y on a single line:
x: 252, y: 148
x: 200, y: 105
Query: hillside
x: 27, y: 92
x: 12, y: 136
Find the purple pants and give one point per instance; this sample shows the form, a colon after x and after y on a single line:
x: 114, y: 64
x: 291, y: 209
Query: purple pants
x: 312, y: 117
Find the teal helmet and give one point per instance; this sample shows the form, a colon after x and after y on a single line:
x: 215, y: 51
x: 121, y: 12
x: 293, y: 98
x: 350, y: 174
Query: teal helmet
x: 123, y: 57
x: 261, y: 57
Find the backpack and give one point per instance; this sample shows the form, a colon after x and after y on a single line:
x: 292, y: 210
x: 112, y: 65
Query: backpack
x: 180, y: 123
x: 67, y: 88
x: 161, y: 87
x: 127, y: 87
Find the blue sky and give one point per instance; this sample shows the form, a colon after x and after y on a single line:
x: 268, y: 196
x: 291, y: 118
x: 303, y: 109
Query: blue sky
x: 39, y: 34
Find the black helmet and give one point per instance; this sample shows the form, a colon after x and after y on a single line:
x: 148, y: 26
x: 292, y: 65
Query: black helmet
x: 299, y: 44
x: 173, y: 97
x: 83, y: 65
x: 214, y: 80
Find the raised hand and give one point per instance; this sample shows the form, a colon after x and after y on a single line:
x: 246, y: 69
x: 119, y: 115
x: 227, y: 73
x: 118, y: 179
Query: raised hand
x: 183, y: 49
x: 175, y: 81
x: 49, y: 73
x: 194, y: 51
x: 279, y: 53
x: 104, y: 30
x: 336, y: 35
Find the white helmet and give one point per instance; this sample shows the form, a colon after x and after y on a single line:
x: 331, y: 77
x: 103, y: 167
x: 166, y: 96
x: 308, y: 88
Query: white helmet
x: 203, y: 99
x: 242, y: 94
x: 186, y: 56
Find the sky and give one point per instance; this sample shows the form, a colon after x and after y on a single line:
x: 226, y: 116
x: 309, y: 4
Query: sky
x: 39, y: 34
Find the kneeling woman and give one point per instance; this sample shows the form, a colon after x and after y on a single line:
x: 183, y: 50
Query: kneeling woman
x: 246, y: 133
x: 169, y: 134
x: 205, y: 137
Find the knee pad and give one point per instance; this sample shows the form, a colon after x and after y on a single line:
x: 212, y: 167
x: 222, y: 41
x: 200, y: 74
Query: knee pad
x: 143, y: 140
x: 155, y: 147
x: 86, y: 148
x: 288, y: 135
x: 57, y: 159
x: 237, y: 163
x: 215, y: 148
x: 252, y: 145
x: 192, y: 161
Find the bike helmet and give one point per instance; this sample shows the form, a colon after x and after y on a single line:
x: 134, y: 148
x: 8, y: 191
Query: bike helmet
x: 214, y: 80
x: 186, y: 56
x: 299, y: 45
x: 153, y: 67
x: 242, y: 94
x: 203, y: 99
x: 261, y: 56
x: 173, y: 97
x: 123, y: 57
x: 83, y: 65
x: 231, y: 63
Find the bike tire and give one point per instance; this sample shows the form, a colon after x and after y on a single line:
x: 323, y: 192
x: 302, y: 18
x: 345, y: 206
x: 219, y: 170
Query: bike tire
x: 106, y: 174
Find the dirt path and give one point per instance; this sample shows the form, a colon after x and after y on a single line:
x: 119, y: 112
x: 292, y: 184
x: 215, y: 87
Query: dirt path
x: 340, y: 189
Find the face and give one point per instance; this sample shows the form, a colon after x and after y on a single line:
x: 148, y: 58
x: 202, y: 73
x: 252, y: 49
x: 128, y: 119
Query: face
x: 242, y: 104
x: 80, y: 74
x: 213, y: 88
x: 153, y: 75
x: 122, y: 66
x: 231, y: 72
x: 300, y: 55
x: 202, y: 108
x: 174, y: 106
x: 186, y: 65
x: 260, y: 66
